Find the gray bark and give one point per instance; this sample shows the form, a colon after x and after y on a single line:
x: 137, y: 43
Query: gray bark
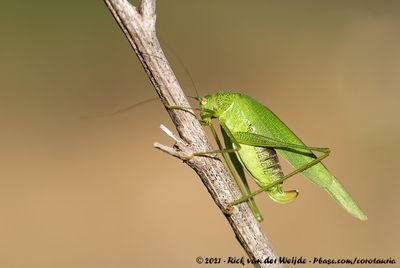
x: 138, y: 24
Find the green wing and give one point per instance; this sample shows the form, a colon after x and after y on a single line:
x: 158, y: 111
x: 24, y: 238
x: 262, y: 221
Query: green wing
x: 267, y: 124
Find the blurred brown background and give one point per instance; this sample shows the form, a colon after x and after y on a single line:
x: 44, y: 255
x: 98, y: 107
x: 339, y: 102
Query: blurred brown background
x: 95, y: 193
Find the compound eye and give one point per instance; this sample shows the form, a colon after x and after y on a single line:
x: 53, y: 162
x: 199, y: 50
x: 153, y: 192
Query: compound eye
x: 203, y: 101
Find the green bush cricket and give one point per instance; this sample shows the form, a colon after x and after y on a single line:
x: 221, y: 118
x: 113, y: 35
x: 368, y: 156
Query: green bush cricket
x: 254, y: 136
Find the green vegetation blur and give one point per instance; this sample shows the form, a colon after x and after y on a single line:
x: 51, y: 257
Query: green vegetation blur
x: 95, y: 193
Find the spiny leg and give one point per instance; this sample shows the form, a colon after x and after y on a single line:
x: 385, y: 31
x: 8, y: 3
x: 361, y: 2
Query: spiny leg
x: 272, y: 184
x: 237, y: 170
x: 254, y: 139
x: 256, y: 212
x: 261, y: 141
x: 228, y: 136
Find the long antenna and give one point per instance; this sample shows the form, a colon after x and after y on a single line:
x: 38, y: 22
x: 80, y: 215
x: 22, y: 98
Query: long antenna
x: 180, y: 61
x: 120, y: 110
x: 169, y: 48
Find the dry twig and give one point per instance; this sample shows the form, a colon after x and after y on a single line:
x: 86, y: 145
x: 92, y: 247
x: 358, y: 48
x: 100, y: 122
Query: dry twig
x: 138, y: 24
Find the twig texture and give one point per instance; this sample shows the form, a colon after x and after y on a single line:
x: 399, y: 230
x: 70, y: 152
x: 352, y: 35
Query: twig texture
x: 138, y: 24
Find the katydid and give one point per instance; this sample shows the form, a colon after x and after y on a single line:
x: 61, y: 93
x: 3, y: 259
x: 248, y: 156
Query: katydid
x: 254, y: 136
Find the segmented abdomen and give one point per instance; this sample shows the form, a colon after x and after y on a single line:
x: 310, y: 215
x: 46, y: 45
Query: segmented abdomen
x: 262, y: 162
x: 270, y: 162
